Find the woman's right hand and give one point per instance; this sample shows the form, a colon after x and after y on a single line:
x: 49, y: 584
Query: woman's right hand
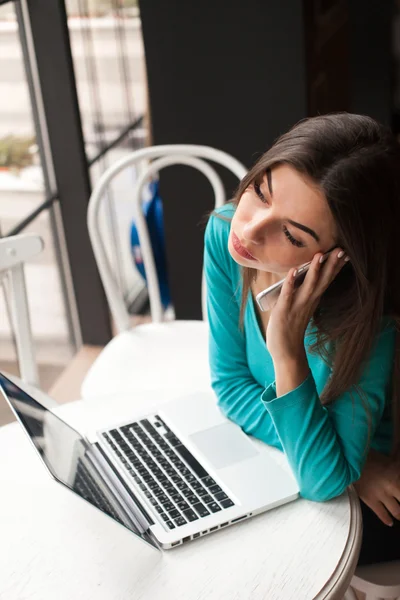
x: 379, y: 486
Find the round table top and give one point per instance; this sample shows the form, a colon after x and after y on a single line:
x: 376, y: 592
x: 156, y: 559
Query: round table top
x: 54, y: 544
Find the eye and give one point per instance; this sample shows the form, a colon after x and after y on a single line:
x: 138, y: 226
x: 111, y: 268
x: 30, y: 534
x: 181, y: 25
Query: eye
x: 259, y: 193
x: 292, y: 239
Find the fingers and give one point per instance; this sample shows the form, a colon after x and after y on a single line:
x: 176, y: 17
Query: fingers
x: 333, y: 265
x: 318, y: 277
x: 287, y: 290
x: 321, y: 274
x: 380, y: 511
x: 393, y: 507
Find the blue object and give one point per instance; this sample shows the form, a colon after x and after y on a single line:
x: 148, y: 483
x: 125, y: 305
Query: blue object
x: 153, y: 213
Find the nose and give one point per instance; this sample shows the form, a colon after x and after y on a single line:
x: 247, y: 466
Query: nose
x: 257, y: 228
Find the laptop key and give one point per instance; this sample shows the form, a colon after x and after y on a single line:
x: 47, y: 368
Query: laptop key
x: 197, y: 485
x: 190, y: 515
x: 176, y: 497
x: 180, y: 521
x: 213, y: 506
x: 215, y: 489
x: 192, y: 499
x: 147, y: 425
x: 201, y: 509
x: 208, y: 481
x: 170, y: 524
x: 221, y: 496
x: 164, y: 516
x: 227, y: 503
x: 169, y: 487
x: 173, y: 440
x: 182, y: 505
x: 207, y: 499
x: 168, y: 506
x: 191, y: 461
x: 174, y: 513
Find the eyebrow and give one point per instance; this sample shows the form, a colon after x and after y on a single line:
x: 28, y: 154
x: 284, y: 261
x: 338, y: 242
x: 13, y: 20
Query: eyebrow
x: 294, y: 223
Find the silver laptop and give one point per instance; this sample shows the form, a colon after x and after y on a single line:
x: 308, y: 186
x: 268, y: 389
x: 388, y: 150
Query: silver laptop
x: 169, y: 477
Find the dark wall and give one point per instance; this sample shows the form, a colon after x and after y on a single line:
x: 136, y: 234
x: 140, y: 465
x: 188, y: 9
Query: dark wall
x: 235, y: 76
x: 227, y: 75
x: 371, y: 58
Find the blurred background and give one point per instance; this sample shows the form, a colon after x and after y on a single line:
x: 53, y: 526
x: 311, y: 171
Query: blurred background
x: 84, y: 82
x: 105, y: 41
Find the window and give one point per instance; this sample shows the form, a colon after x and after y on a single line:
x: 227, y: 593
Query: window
x: 23, y: 192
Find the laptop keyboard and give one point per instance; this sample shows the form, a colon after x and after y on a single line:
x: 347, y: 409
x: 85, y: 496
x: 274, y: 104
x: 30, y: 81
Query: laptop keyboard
x: 172, y: 479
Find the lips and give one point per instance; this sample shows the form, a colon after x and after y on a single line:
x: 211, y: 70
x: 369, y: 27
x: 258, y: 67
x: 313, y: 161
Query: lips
x: 241, y: 249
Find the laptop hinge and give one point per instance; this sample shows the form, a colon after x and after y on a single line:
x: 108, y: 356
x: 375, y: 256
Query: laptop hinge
x: 125, y: 497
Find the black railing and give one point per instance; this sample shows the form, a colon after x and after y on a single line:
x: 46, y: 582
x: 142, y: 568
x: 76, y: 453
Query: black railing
x: 49, y: 201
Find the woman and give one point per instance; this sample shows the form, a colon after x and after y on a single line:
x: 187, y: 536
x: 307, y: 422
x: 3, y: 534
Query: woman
x: 315, y: 375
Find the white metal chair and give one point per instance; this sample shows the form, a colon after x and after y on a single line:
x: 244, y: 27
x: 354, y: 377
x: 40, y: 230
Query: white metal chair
x: 14, y: 252
x: 160, y: 354
x: 379, y: 582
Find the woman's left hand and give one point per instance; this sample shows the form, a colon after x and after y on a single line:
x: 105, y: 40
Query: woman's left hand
x: 379, y: 486
x: 294, y: 308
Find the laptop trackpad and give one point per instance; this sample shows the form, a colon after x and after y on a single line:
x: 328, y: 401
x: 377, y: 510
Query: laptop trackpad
x: 224, y: 445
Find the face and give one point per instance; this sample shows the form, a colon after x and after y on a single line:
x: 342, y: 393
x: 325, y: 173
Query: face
x: 281, y: 223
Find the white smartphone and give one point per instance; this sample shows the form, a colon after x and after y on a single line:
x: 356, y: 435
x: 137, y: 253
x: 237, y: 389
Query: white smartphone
x: 266, y: 299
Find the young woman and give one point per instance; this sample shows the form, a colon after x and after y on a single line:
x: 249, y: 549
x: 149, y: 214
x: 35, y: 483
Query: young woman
x: 317, y: 375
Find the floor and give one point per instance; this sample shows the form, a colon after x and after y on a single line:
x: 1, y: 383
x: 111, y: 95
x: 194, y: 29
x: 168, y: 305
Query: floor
x: 61, y: 384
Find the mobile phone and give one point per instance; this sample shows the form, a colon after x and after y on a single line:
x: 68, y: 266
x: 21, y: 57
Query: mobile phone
x: 266, y: 299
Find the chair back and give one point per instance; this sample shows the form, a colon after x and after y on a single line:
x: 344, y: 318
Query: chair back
x: 14, y: 251
x: 149, y: 161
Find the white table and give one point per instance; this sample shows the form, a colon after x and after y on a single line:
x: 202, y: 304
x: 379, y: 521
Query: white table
x: 55, y: 545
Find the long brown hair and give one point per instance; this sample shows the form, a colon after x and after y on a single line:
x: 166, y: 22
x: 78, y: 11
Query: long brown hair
x: 355, y: 161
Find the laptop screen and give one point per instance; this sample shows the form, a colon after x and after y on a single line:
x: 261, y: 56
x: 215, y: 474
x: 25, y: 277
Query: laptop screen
x: 66, y: 454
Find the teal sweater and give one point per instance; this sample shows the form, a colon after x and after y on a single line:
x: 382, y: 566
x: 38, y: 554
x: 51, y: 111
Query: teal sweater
x: 325, y: 446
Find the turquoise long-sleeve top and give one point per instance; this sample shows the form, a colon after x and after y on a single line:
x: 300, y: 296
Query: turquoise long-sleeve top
x: 326, y: 446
